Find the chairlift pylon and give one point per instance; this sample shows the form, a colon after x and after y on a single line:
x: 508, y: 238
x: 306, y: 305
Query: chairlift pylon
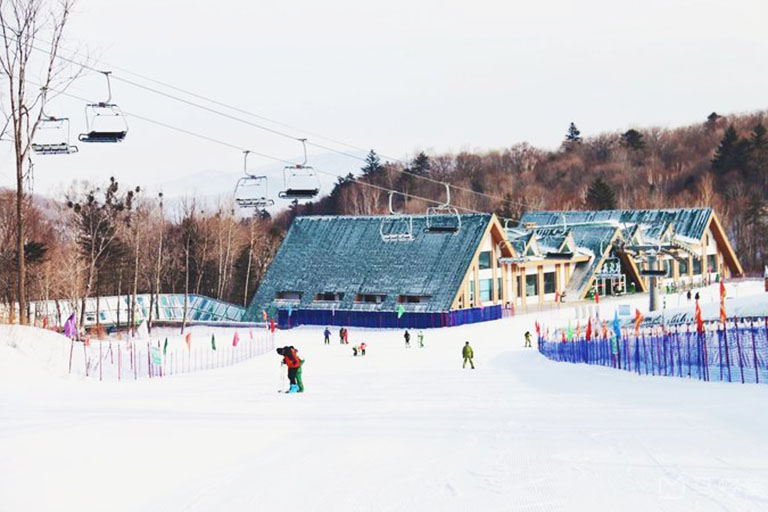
x: 98, y: 128
x: 397, y: 226
x: 443, y: 218
x: 252, y: 192
x: 300, y: 180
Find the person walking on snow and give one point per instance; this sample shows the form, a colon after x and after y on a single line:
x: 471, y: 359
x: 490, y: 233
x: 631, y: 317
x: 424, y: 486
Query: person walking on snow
x: 468, y: 354
x: 407, y: 337
x: 420, y: 337
x: 527, y: 339
x: 346, y: 336
x: 327, y: 335
x: 341, y: 335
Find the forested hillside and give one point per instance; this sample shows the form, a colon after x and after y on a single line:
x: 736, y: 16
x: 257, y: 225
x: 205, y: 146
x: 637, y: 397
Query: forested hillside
x: 721, y: 162
x: 108, y: 238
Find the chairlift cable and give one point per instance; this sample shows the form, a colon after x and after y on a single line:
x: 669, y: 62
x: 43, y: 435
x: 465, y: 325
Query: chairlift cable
x: 264, y: 155
x: 268, y: 129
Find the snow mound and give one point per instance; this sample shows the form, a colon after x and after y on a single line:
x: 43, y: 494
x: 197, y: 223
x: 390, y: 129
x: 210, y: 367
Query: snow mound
x: 32, y: 351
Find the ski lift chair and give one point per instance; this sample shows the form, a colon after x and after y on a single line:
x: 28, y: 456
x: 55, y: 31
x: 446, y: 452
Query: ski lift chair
x: 252, y: 192
x: 397, y: 226
x: 105, y: 122
x: 52, y: 137
x: 443, y: 218
x: 300, y: 180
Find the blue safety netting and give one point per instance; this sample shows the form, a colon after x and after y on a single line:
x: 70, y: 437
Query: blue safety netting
x: 738, y: 353
x: 386, y: 319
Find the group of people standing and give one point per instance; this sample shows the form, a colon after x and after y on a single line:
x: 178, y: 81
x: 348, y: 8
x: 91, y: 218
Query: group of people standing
x: 419, y: 337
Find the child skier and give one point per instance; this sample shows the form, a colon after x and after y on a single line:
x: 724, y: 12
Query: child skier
x: 346, y: 336
x: 292, y: 361
x: 341, y: 335
x: 362, y: 348
x: 407, y: 337
x: 527, y: 339
x: 420, y: 337
x: 327, y: 335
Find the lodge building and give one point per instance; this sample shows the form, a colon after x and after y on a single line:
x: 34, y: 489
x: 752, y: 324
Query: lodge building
x: 428, y: 265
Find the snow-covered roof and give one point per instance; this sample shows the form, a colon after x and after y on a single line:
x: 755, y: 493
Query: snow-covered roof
x: 345, y: 254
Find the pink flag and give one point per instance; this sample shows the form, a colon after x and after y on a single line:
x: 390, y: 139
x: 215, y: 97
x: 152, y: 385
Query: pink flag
x: 189, y: 341
x: 70, y: 327
x: 235, y: 340
x: 251, y: 333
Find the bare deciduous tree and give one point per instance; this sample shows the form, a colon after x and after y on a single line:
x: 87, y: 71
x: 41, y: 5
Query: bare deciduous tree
x: 32, y: 32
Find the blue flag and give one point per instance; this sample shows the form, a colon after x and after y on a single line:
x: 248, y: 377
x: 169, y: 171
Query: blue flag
x: 616, y: 325
x: 290, y: 309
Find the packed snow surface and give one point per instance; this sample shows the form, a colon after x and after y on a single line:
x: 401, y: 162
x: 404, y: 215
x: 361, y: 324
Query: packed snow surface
x: 401, y: 429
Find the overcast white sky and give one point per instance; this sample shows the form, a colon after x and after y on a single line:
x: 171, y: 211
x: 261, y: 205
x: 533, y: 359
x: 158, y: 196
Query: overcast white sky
x: 401, y: 76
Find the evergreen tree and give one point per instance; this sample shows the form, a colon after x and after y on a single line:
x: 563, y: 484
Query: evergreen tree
x: 420, y: 164
x: 372, y: 164
x: 712, y: 120
x: 632, y: 139
x: 758, y: 157
x: 573, y: 136
x: 732, y: 153
x: 600, y: 195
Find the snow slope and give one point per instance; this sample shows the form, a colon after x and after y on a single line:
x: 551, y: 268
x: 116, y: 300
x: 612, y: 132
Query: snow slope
x: 397, y: 430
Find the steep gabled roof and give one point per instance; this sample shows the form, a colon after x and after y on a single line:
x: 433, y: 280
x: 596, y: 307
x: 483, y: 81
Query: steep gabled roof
x: 596, y: 239
x: 688, y: 222
x: 346, y: 254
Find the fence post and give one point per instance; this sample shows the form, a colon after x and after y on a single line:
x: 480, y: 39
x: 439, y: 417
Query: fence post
x: 754, y: 354
x: 727, y: 355
x: 738, y: 349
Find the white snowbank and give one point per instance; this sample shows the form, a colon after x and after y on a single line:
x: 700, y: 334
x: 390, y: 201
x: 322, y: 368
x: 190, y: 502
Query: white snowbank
x: 398, y: 430
x: 31, y: 350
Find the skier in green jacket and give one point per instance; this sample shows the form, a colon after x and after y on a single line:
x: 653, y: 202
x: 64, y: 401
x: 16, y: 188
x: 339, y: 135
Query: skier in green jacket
x: 468, y: 355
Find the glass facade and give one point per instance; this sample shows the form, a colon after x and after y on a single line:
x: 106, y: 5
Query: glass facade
x: 531, y: 285
x: 549, y: 282
x: 484, y: 260
x: 486, y: 292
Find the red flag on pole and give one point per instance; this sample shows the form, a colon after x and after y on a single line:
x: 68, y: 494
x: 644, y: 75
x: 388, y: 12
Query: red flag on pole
x: 189, y: 340
x: 272, y: 324
x: 638, y: 320
x: 538, y: 328
x: 699, y: 321
x: 597, y: 296
x: 722, y: 302
x: 589, y: 329
x: 235, y: 339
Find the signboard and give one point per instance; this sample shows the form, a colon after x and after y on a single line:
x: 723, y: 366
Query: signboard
x: 624, y: 310
x: 157, y: 356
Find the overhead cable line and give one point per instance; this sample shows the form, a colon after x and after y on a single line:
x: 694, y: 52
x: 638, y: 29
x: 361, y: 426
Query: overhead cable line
x: 268, y: 129
x: 264, y: 155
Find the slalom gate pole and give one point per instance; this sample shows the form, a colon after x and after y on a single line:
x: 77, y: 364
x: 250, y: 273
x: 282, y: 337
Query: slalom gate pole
x: 119, y: 361
x: 161, y: 366
x: 71, y: 349
x: 101, y: 362
x: 149, y: 361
